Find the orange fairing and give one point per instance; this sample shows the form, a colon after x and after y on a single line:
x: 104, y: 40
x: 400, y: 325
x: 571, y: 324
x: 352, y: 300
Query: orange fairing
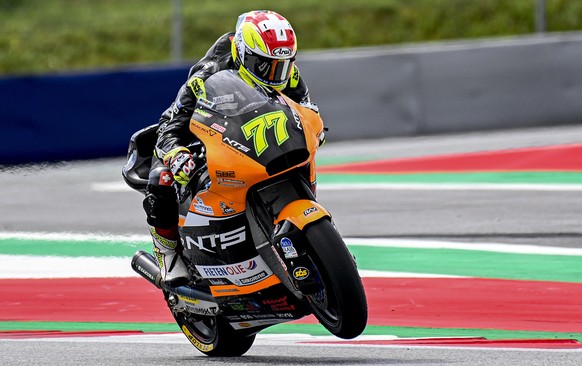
x: 311, y: 123
x: 313, y: 126
x: 232, y: 172
x: 302, y: 212
x: 231, y: 290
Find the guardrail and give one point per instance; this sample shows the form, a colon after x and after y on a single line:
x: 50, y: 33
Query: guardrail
x: 362, y: 93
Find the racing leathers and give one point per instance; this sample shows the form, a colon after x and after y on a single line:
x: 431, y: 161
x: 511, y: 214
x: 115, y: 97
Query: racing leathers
x: 160, y: 203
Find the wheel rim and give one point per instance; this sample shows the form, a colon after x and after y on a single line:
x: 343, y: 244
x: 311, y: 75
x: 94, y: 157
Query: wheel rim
x: 203, y: 329
x: 324, y: 306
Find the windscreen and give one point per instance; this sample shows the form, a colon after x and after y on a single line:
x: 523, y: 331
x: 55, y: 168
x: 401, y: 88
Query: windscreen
x: 229, y: 95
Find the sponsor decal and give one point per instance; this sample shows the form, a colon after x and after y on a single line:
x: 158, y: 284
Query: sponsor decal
x: 189, y: 299
x: 279, y: 304
x: 282, y: 52
x: 223, y: 240
x: 202, y: 128
x: 238, y: 307
x: 166, y: 179
x: 309, y: 211
x: 226, y: 210
x: 253, y: 279
x: 289, y: 250
x: 240, y: 95
x: 225, y: 173
x: 300, y: 273
x: 297, y: 119
x: 226, y: 290
x: 203, y: 113
x: 279, y: 258
x: 205, y: 103
x: 218, y: 127
x: 202, y: 208
x: 285, y: 315
x: 199, y: 307
x: 242, y: 274
x: 199, y: 311
x: 224, y: 106
x: 196, y: 343
x: 283, y: 307
x: 223, y: 98
x: 237, y: 145
x: 281, y: 100
x: 142, y: 270
x: 242, y: 290
x: 230, y: 182
x: 257, y: 316
x: 281, y: 300
x: 217, y: 281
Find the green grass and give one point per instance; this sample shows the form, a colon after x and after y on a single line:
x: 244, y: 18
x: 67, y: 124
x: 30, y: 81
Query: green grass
x: 55, y: 35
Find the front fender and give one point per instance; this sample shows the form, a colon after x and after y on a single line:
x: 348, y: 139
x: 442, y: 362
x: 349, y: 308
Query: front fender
x: 292, y: 245
x: 302, y: 212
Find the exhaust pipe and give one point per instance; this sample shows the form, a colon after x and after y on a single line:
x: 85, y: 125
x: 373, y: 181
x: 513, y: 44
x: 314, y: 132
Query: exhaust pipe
x: 146, y: 266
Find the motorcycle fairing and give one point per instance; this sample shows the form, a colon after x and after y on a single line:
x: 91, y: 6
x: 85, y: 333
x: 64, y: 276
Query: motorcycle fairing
x: 263, y: 136
x: 302, y: 212
x: 208, y: 239
x: 245, y: 277
x: 250, y: 138
x: 256, y: 311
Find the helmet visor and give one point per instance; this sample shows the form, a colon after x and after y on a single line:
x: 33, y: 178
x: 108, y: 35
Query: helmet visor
x: 268, y: 70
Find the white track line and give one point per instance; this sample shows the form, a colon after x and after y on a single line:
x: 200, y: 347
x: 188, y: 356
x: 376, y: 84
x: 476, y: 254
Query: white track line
x: 133, y: 239
x: 25, y: 266
x: 485, y: 247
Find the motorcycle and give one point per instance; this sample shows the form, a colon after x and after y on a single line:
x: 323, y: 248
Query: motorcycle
x: 259, y: 247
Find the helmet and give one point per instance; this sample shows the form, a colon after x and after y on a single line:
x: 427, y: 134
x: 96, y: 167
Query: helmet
x: 264, y: 48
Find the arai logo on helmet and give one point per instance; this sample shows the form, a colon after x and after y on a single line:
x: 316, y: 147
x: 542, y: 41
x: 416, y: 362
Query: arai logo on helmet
x: 282, y: 52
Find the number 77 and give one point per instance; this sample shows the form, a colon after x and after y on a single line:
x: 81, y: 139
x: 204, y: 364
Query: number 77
x: 257, y: 129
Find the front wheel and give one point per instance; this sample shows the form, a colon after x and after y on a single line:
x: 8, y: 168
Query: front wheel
x: 340, y: 306
x: 213, y: 336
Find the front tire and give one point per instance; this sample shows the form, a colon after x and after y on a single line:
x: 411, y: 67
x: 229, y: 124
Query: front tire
x: 340, y: 306
x: 213, y: 336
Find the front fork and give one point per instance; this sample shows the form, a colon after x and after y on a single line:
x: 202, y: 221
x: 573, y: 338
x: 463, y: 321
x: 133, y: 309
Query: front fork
x: 292, y: 246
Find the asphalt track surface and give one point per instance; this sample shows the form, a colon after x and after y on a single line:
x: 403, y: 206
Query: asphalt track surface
x: 60, y: 198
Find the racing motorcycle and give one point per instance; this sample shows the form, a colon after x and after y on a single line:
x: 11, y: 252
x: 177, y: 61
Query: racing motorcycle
x: 259, y: 247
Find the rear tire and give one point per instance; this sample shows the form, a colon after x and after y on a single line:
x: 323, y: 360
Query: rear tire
x: 213, y: 336
x: 341, y: 305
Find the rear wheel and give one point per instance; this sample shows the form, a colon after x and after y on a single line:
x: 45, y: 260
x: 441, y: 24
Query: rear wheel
x: 340, y: 306
x: 213, y: 336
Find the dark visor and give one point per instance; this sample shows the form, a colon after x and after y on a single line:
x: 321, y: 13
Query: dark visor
x: 268, y: 70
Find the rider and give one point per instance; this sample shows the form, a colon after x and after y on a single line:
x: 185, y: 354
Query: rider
x: 262, y: 49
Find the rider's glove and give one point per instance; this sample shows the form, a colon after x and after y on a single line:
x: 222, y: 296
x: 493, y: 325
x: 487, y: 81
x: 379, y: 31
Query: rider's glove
x: 181, y: 164
x: 311, y: 106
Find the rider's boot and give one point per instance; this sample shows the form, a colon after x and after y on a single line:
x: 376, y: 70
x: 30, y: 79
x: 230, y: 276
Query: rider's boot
x: 172, y: 266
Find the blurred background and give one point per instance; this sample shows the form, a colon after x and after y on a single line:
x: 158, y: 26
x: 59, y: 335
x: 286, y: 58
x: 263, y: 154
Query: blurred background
x: 77, y: 77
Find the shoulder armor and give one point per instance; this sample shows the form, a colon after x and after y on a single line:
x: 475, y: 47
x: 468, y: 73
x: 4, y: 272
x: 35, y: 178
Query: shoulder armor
x: 196, y: 84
